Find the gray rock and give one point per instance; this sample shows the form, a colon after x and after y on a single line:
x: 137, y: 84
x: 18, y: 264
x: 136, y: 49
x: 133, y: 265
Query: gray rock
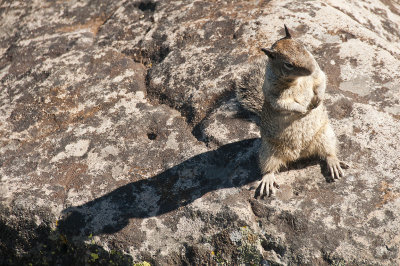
x: 121, y: 138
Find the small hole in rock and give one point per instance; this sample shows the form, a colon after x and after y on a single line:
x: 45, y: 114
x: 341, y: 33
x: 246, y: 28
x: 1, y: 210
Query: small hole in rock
x: 147, y: 6
x: 152, y: 136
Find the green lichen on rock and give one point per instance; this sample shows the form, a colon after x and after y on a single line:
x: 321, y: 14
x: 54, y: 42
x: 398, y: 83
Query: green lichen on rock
x: 54, y: 248
x: 240, y: 246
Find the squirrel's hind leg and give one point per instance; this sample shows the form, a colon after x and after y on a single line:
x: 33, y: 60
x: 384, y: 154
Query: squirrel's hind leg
x: 324, y: 145
x: 269, y: 165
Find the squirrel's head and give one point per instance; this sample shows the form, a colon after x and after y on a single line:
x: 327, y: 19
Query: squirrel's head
x: 289, y: 58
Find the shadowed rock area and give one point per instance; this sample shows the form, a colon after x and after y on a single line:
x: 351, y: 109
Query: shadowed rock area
x: 121, y: 140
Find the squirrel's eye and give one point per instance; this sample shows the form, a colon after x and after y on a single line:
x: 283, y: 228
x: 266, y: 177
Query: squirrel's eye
x: 288, y: 66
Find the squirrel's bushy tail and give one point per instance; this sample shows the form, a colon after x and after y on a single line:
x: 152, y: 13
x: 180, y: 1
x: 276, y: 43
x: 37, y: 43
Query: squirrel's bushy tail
x: 248, y: 86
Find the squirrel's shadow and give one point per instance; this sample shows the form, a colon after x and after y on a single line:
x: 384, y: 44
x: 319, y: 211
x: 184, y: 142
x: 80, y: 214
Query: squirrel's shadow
x: 231, y: 165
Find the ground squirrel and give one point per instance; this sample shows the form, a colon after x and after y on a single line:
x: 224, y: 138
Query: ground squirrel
x: 288, y: 97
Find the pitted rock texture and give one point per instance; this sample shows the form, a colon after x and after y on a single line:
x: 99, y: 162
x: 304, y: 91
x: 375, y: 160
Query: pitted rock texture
x: 120, y: 131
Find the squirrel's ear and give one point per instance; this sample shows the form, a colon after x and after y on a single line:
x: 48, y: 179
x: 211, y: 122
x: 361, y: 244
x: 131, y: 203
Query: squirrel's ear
x: 288, y: 36
x: 269, y: 52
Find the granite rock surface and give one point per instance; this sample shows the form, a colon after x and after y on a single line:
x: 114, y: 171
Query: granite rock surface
x: 120, y: 134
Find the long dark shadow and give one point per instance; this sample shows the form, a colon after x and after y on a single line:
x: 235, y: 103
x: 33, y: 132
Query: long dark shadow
x: 231, y: 165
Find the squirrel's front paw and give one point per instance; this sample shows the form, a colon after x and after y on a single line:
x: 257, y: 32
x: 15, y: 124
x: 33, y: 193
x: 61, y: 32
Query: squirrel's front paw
x: 314, y: 103
x: 301, y: 109
x: 267, y: 185
x: 317, y: 102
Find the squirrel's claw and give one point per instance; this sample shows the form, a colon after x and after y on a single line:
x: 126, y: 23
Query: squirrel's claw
x: 335, y: 168
x: 344, y: 165
x: 267, y: 185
